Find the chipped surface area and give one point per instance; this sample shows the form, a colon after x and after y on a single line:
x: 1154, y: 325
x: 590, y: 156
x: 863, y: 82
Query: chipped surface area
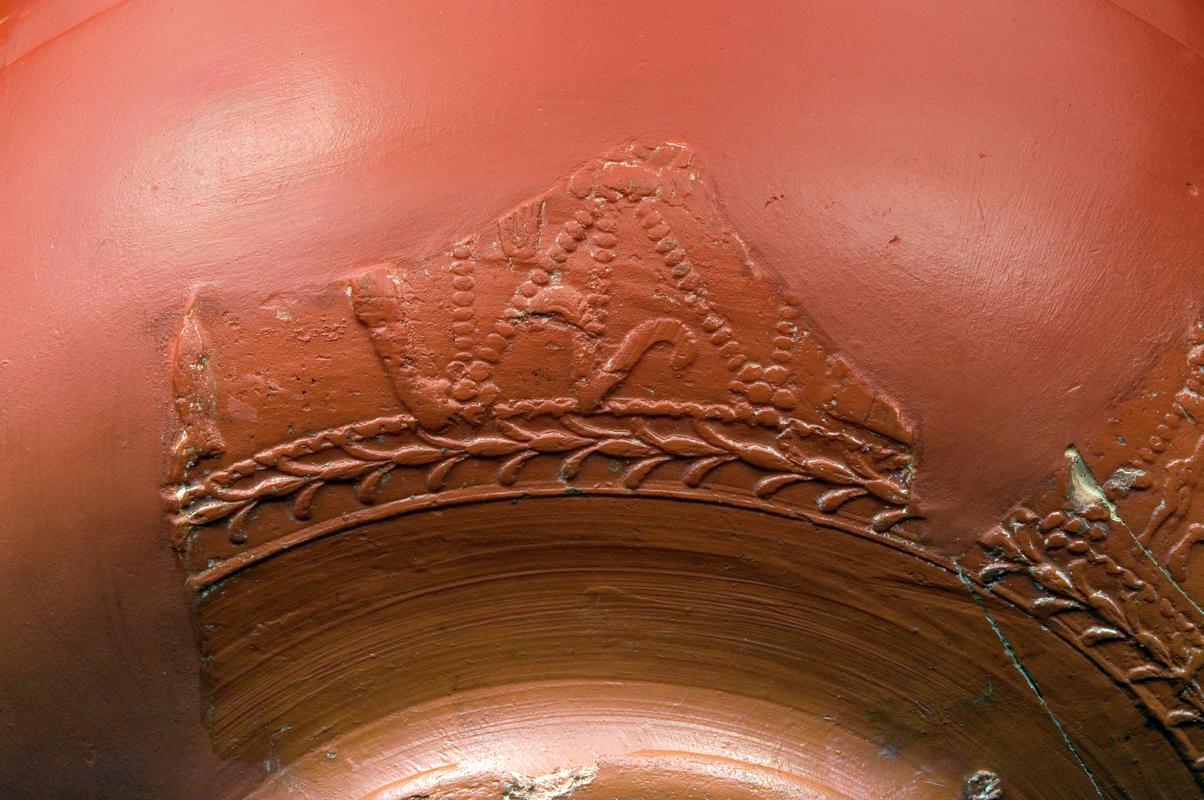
x: 1109, y: 563
x: 553, y: 786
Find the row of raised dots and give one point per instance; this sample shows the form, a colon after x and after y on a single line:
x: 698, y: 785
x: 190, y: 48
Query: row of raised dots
x: 603, y: 242
x: 467, y: 368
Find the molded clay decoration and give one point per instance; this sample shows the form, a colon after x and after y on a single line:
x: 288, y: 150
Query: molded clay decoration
x: 1104, y: 555
x: 677, y: 400
x: 582, y: 506
x: 610, y: 337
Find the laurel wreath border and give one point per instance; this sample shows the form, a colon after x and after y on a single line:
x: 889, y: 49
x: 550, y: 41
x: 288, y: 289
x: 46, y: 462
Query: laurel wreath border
x: 352, y: 454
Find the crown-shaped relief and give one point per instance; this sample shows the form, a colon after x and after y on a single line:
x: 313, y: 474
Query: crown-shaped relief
x: 610, y: 336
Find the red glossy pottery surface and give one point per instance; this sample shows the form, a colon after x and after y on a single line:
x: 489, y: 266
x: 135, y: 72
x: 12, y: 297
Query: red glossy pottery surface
x: 545, y: 400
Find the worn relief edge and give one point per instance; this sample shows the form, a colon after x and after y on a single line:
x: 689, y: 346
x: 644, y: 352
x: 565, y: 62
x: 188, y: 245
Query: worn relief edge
x: 1101, y: 562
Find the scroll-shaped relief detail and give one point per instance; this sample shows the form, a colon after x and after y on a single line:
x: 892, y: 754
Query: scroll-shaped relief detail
x: 195, y: 386
x: 1106, y: 564
x: 609, y: 337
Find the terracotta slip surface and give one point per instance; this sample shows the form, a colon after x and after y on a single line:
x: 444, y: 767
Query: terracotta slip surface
x: 605, y: 348
x: 692, y: 401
